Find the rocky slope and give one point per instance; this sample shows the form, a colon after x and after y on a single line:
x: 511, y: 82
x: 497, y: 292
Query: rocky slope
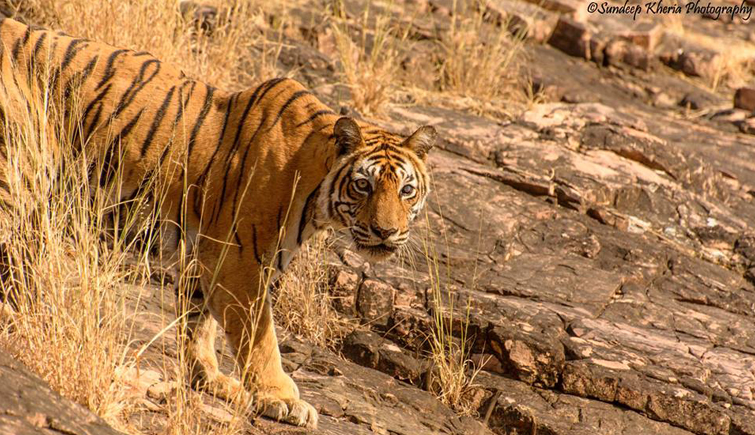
x: 603, y: 243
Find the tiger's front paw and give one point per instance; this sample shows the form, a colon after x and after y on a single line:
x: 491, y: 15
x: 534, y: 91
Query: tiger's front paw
x: 291, y: 411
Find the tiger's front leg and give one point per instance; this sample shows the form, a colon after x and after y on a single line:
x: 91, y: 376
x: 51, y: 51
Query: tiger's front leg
x: 198, y: 336
x: 246, y: 316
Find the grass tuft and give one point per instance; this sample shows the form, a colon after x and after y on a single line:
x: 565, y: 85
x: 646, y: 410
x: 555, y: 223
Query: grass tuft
x: 303, y: 305
x: 370, y: 65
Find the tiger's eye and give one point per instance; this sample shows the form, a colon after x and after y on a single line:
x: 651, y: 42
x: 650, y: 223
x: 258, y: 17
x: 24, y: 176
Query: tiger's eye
x: 407, y: 190
x: 362, y: 185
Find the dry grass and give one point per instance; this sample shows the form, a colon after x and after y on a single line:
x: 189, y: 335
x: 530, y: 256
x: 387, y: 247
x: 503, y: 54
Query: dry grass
x: 454, y: 372
x: 479, y: 64
x: 452, y: 378
x: 303, y: 305
x: 65, y: 282
x: 474, y: 67
x: 369, y: 66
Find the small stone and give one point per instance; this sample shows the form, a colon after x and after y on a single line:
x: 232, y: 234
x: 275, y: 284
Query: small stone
x: 747, y: 126
x: 664, y: 100
x: 638, y: 57
x: 334, y: 372
x: 218, y: 414
x: 620, y: 52
x: 370, y: 350
x: 645, y: 35
x: 572, y: 38
x: 326, y: 43
x: 695, y: 101
x: 375, y: 302
x: 161, y: 391
x: 744, y: 98
x: 38, y: 419
x: 389, y: 398
x: 615, y: 51
x: 343, y: 288
x: 597, y: 48
x: 700, y: 63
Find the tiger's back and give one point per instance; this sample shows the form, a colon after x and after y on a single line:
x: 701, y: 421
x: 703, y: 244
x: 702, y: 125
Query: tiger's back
x: 146, y: 117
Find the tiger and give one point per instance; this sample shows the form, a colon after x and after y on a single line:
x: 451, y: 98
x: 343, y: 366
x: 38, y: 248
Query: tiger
x: 249, y: 177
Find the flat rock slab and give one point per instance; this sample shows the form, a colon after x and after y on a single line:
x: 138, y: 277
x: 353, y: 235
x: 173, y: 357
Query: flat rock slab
x: 353, y: 398
x: 28, y: 406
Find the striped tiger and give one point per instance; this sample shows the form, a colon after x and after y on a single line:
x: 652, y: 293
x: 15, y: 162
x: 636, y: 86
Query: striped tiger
x: 261, y: 171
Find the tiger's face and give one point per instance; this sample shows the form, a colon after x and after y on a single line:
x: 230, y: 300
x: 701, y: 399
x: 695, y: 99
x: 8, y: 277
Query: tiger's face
x: 378, y: 186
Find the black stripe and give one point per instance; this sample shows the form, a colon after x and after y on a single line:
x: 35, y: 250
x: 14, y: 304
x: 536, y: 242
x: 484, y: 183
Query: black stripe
x: 91, y: 105
x: 73, y: 48
x: 53, y: 81
x: 182, y: 104
x: 331, y: 207
x: 109, y: 70
x: 307, y: 213
x: 238, y: 240
x: 180, y: 216
x: 315, y: 116
x: 267, y: 86
x: 201, y: 179
x: 397, y: 158
x: 242, y: 121
x: 194, y: 132
x: 156, y: 122
x: 254, y: 244
x: 89, y: 68
x: 243, y: 162
x: 95, y: 121
x: 77, y: 79
x: 289, y: 102
x: 200, y: 120
x: 108, y: 169
x: 136, y: 86
x: 252, y: 141
x: 312, y: 133
x: 38, y: 46
x: 20, y: 42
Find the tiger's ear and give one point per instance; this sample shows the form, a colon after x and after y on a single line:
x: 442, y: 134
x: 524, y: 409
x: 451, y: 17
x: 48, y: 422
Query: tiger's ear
x: 348, y: 136
x: 421, y: 141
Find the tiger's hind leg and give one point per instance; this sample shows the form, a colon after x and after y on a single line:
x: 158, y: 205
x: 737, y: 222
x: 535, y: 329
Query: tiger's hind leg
x: 198, y: 341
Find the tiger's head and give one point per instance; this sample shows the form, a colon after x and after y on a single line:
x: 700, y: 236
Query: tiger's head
x: 377, y: 186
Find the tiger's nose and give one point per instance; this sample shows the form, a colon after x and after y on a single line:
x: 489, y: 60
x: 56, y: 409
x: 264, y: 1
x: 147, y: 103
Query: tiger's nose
x: 383, y: 233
